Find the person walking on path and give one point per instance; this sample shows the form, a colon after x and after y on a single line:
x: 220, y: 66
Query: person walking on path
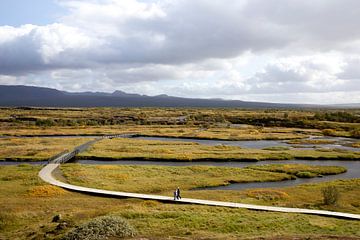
x: 178, y: 196
x: 175, y: 195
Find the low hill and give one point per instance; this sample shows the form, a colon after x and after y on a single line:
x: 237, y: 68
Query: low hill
x: 15, y: 96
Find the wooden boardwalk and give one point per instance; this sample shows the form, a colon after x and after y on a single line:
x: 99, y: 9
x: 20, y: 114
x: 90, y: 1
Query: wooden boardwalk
x: 46, y: 175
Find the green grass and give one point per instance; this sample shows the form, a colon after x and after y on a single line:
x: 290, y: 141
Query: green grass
x: 267, y: 123
x: 310, y: 141
x: 147, y: 179
x: 295, y: 169
x: 28, y: 216
x: 35, y: 149
x: 178, y: 131
x: 117, y: 149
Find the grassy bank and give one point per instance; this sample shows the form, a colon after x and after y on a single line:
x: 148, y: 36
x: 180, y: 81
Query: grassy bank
x: 35, y: 149
x: 117, y: 149
x: 28, y: 206
x: 146, y: 179
x: 246, y: 132
x: 300, y: 170
x: 310, y: 141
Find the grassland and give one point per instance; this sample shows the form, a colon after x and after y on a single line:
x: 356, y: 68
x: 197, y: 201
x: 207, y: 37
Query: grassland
x: 311, y: 141
x: 28, y: 206
x: 179, y: 131
x: 298, y: 170
x: 35, y: 149
x: 356, y: 145
x: 38, y: 149
x: 15, y: 121
x: 118, y: 149
x: 146, y: 179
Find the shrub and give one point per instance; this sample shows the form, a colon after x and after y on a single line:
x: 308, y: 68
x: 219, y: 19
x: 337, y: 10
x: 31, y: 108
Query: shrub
x: 277, y: 148
x: 102, y: 228
x: 355, y: 133
x: 330, y: 195
x: 329, y: 132
x: 305, y: 174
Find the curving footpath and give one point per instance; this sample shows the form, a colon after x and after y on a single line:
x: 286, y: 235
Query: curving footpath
x: 46, y: 175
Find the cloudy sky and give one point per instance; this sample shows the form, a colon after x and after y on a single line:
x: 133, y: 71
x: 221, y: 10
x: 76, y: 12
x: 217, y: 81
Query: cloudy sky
x: 261, y: 50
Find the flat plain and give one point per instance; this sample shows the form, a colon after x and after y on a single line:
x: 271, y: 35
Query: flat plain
x: 29, y: 205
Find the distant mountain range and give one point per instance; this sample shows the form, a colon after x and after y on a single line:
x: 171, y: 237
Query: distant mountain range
x: 21, y: 96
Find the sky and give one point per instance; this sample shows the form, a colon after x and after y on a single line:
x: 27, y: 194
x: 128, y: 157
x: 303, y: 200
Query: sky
x: 286, y: 51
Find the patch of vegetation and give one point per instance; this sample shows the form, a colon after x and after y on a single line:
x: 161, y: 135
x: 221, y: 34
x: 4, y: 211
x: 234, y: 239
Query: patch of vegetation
x: 310, y: 141
x: 267, y: 194
x: 46, y: 191
x: 264, y: 123
x: 300, y: 170
x: 30, y: 217
x: 330, y: 194
x: 277, y: 148
x: 356, y: 145
x: 337, y: 116
x: 35, y: 149
x: 146, y: 179
x: 126, y: 178
x: 305, y: 175
x: 102, y: 228
x: 120, y: 149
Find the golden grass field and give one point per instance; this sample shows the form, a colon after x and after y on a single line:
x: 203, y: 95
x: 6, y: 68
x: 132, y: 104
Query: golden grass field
x: 222, y: 133
x: 115, y: 149
x: 36, y: 149
x: 147, y: 179
x: 28, y: 206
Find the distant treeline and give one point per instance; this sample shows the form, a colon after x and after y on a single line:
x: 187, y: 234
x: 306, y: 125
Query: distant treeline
x: 317, y: 119
x: 337, y: 117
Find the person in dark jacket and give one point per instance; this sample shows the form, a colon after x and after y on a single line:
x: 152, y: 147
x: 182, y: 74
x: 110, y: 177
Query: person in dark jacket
x: 178, y: 196
x: 175, y: 195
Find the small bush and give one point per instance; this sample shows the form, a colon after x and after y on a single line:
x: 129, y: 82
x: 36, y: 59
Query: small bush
x: 305, y: 174
x: 277, y: 148
x: 330, y: 195
x: 329, y: 132
x: 355, y: 133
x: 102, y: 228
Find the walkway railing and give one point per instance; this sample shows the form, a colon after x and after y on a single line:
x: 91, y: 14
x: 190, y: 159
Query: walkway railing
x: 65, y: 156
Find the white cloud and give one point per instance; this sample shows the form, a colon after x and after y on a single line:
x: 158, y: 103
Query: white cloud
x: 191, y: 48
